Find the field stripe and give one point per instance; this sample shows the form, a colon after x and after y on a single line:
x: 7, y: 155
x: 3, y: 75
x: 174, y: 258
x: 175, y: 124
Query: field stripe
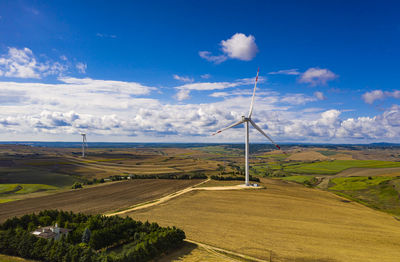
x: 217, y: 250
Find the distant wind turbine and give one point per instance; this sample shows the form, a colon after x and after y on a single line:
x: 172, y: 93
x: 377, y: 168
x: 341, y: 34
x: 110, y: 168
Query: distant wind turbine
x: 84, y: 144
x: 246, y: 121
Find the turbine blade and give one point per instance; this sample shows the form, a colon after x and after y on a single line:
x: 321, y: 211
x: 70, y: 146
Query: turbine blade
x: 262, y: 132
x: 233, y: 125
x: 254, y: 93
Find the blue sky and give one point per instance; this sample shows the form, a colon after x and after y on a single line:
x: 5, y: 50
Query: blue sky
x: 176, y: 71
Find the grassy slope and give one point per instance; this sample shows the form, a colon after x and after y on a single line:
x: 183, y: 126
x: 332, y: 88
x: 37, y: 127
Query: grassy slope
x: 295, y: 222
x: 12, y: 192
x: 380, y: 192
x: 299, y: 179
x: 24, y: 188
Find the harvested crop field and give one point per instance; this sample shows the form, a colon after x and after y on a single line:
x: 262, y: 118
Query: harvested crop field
x: 99, y: 199
x: 391, y: 171
x: 295, y: 222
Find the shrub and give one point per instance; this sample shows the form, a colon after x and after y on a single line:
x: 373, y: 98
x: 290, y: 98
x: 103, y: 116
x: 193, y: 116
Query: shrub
x: 76, y: 185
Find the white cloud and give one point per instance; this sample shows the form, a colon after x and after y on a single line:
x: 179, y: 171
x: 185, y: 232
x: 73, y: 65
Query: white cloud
x: 183, y: 78
x: 183, y: 94
x: 319, y: 95
x: 64, y: 58
x: 206, y: 76
x: 207, y: 86
x: 317, y: 76
x: 371, y: 97
x: 107, y: 86
x: 248, y: 92
x: 81, y: 67
x: 184, y: 90
x: 239, y: 46
x: 220, y: 94
x: 210, y: 58
x: 297, y: 99
x: 105, y: 35
x: 21, y: 63
x: 286, y: 72
x: 117, y: 110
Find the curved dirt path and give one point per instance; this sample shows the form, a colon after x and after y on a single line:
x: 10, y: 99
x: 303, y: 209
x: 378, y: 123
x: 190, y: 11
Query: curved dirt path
x: 217, y: 251
x: 178, y: 193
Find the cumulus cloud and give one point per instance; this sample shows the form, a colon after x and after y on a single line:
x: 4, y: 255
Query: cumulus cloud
x: 81, y: 67
x: 183, y: 94
x: 206, y: 76
x: 183, y: 78
x: 22, y: 63
x: 317, y: 76
x: 239, y: 46
x: 111, y: 109
x: 371, y: 97
x: 286, y: 72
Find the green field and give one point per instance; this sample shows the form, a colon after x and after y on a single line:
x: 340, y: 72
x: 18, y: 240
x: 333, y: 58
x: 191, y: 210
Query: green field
x: 24, y: 188
x: 220, y: 150
x: 327, y: 152
x: 299, y: 179
x: 357, y: 183
x: 335, y: 166
x: 273, y: 156
x: 35, y: 176
x: 5, y: 200
x: 380, y: 192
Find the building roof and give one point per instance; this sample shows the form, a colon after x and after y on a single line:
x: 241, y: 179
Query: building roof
x: 49, y: 231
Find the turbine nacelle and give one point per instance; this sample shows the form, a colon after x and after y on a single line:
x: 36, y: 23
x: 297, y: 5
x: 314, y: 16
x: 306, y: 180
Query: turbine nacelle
x: 245, y: 119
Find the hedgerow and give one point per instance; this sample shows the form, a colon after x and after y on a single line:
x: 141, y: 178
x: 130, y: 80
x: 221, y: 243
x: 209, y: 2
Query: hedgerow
x: 239, y: 178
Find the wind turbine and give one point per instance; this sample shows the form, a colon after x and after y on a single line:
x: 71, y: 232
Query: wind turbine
x: 84, y: 144
x: 246, y: 121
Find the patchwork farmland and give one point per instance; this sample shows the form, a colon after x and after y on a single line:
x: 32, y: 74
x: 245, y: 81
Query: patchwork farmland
x: 319, y: 204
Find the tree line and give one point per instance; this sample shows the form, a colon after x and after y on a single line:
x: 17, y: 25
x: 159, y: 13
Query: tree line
x: 91, y: 238
x: 239, y: 178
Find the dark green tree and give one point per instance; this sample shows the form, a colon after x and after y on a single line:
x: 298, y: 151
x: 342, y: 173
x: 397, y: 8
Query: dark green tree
x: 86, y: 236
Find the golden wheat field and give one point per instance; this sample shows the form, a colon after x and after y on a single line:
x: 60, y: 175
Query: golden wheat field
x: 294, y: 222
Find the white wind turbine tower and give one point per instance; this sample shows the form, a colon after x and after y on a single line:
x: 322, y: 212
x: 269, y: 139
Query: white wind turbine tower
x: 246, y: 121
x: 84, y: 144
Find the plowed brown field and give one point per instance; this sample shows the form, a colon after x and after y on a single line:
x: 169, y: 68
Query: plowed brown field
x: 97, y: 199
